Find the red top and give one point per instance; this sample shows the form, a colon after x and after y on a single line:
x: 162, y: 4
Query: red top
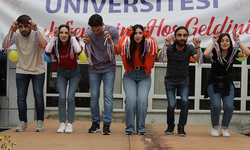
x: 150, y: 57
x: 65, y: 60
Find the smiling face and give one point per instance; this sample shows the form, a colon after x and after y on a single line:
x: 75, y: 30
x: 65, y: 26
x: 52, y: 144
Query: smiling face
x: 64, y: 35
x: 24, y: 29
x: 138, y: 36
x: 225, y: 43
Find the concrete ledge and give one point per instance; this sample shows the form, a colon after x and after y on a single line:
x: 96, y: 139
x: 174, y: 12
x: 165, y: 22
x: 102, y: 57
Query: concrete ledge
x: 198, y: 137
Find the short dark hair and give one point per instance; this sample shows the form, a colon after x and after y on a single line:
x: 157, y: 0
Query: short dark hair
x: 179, y: 28
x: 95, y: 20
x: 24, y: 19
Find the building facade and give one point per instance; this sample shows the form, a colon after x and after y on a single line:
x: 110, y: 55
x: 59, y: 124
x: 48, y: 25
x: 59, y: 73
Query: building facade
x: 199, y: 107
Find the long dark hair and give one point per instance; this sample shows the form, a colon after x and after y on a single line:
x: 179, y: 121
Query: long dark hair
x: 133, y: 46
x: 230, y: 49
x: 59, y: 41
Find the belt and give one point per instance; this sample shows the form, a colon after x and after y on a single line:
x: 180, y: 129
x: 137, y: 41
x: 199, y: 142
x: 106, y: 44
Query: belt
x: 222, y: 77
x: 138, y: 67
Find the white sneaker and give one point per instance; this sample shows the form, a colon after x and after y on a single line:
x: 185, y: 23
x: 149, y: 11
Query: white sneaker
x: 224, y: 132
x: 22, y: 126
x: 214, y: 132
x: 69, y: 128
x: 61, y: 128
x: 40, y: 126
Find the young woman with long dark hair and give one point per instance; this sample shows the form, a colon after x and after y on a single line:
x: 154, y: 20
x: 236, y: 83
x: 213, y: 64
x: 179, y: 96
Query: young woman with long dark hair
x: 220, y: 83
x: 138, y: 50
x: 65, y: 47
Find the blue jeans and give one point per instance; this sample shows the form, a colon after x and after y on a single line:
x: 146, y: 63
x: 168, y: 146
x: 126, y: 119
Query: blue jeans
x: 108, y: 88
x: 63, y: 77
x: 136, y: 85
x: 184, y: 92
x: 228, y: 106
x: 22, y: 84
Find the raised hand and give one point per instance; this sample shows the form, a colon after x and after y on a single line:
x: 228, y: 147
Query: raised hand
x: 14, y: 26
x: 56, y: 31
x: 145, y: 29
x: 32, y: 25
x: 71, y: 31
x: 86, y: 39
x: 196, y: 42
x: 106, y: 35
x: 216, y: 36
x: 130, y: 28
x: 236, y: 37
x: 168, y: 40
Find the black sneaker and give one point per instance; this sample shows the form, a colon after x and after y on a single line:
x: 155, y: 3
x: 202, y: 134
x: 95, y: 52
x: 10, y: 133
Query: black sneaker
x: 181, y: 131
x: 106, y: 130
x: 141, y: 133
x: 129, y: 133
x: 94, y: 128
x: 170, y: 130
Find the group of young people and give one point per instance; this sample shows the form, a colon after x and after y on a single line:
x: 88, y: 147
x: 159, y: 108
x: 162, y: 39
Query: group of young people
x: 138, y: 50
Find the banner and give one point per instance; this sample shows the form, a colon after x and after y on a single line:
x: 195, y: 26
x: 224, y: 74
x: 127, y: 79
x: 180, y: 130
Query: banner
x: 202, y: 17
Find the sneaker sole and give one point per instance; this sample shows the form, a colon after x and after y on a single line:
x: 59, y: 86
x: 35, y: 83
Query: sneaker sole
x: 97, y: 130
x: 68, y: 132
x: 129, y: 133
x: 182, y: 134
x: 225, y: 135
x: 215, y: 135
x: 21, y: 130
x: 106, y: 133
x: 169, y: 133
x: 39, y: 130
